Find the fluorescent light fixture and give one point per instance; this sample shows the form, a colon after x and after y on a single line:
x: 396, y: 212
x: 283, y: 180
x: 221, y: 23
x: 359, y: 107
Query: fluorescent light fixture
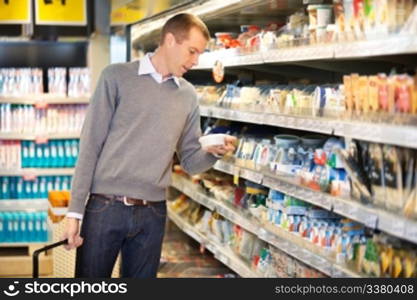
x: 200, y: 10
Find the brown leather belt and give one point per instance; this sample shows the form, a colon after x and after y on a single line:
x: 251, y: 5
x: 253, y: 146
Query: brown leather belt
x: 126, y: 200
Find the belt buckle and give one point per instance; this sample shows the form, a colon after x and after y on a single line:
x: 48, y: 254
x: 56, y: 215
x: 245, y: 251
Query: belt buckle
x: 125, y: 201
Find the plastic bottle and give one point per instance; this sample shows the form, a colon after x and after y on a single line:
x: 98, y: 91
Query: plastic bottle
x: 54, y: 154
x: 21, y: 231
x: 38, y: 227
x: 38, y: 156
x: 74, y: 148
x: 2, y: 230
x: 28, y: 190
x: 50, y: 184
x: 44, y: 228
x: 30, y: 227
x: 57, y: 183
x: 43, y: 194
x: 8, y: 230
x: 35, y: 189
x: 5, y: 192
x: 20, y: 192
x: 61, y: 154
x: 15, y: 227
x: 46, y: 155
x: 67, y: 154
x: 25, y: 154
x: 12, y: 189
x: 32, y: 155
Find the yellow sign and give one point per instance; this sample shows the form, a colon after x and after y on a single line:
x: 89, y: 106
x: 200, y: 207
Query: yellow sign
x: 127, y: 15
x: 15, y: 12
x: 61, y: 12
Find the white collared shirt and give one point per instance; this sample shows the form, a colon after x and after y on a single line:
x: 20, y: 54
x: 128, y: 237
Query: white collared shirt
x: 147, y: 68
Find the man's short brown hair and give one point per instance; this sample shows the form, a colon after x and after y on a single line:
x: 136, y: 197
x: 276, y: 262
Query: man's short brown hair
x: 180, y: 26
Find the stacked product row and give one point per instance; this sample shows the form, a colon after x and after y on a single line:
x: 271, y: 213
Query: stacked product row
x: 344, y: 20
x: 29, y: 154
x: 20, y: 227
x: 26, y: 81
x: 20, y: 118
x: 379, y: 98
x: 376, y: 175
x: 339, y: 239
x: 257, y: 254
x: 34, y: 188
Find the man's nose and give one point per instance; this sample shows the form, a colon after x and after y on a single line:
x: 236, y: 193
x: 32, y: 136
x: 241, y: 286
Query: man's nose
x: 194, y: 60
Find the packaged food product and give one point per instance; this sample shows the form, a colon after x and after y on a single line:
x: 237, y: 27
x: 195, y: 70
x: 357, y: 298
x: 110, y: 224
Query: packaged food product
x: 414, y: 96
x: 355, y: 92
x: 347, y: 82
x: 373, y: 94
x: 363, y: 101
x: 410, y: 206
x: 359, y: 18
x: 349, y: 17
x: 403, y: 93
x: 376, y: 174
x: 393, y: 178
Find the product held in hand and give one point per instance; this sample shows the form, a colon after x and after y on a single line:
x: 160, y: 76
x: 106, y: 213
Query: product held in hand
x: 212, y: 140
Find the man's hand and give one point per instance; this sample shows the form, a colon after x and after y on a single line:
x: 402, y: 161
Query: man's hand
x: 72, y: 233
x: 229, y: 146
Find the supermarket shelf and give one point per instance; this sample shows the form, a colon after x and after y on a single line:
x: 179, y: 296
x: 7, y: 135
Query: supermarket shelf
x: 24, y: 244
x: 395, y: 45
x: 371, y: 217
x: 401, y: 135
x: 34, y: 136
x: 280, y: 238
x: 37, y: 172
x: 23, y: 204
x: 220, y: 252
x: 321, y: 125
x: 44, y: 99
x: 229, y: 213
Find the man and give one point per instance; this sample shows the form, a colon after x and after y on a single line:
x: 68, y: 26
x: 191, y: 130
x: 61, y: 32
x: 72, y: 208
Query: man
x: 141, y: 113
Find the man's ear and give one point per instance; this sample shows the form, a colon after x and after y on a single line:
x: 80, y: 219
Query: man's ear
x: 169, y: 39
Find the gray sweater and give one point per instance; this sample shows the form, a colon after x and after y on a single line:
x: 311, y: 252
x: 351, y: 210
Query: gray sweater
x: 133, y: 127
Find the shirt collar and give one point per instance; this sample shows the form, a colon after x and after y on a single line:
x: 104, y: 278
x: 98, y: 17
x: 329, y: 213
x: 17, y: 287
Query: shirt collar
x: 146, y: 68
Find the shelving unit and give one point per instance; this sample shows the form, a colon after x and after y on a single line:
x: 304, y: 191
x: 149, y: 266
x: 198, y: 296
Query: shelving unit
x: 375, y: 218
x: 44, y: 99
x: 400, y: 135
x: 222, y: 253
x: 34, y: 136
x: 279, y: 238
x: 37, y: 172
x: 399, y: 45
x: 23, y: 204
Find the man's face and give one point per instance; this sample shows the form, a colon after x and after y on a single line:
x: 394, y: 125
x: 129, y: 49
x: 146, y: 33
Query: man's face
x: 182, y: 56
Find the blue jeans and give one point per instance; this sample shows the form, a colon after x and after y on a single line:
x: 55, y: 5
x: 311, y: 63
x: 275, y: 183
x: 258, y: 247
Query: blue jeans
x: 109, y: 226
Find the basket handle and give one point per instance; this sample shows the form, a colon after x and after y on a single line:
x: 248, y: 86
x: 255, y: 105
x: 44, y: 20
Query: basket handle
x: 35, y: 257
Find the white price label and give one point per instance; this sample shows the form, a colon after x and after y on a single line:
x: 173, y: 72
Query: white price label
x: 397, y: 228
x: 411, y: 138
x: 339, y: 207
x: 411, y: 231
x: 291, y: 121
x: 369, y: 219
x: 187, y: 190
x: 263, y: 234
x: 256, y: 177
